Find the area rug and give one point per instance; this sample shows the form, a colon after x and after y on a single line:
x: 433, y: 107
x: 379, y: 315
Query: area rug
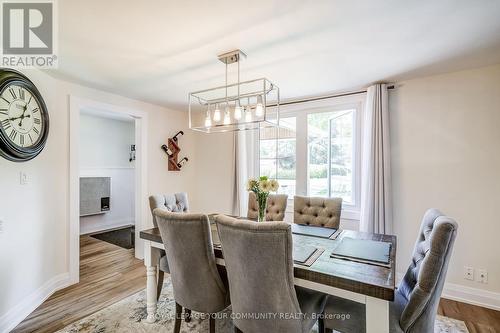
x: 128, y: 315
x: 124, y: 237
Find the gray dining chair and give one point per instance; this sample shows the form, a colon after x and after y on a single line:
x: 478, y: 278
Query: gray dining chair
x: 196, y: 281
x: 316, y: 211
x: 259, y: 264
x: 275, y: 210
x: 177, y: 202
x: 417, y: 297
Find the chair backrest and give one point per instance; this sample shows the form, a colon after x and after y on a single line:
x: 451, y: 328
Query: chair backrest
x: 259, y: 265
x: 177, y: 203
x: 195, y: 279
x: 275, y: 210
x: 321, y: 212
x: 423, y: 283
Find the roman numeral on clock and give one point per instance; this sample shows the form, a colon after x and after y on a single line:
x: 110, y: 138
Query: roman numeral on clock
x: 4, y: 112
x: 21, y: 139
x: 13, y: 93
x: 35, y: 110
x: 36, y: 130
x: 21, y: 93
x: 6, y: 123
x: 13, y: 135
x: 36, y: 121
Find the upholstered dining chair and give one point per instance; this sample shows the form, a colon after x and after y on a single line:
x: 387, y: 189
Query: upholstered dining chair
x: 259, y: 264
x: 196, y: 281
x: 320, y: 212
x: 177, y: 202
x: 417, y: 297
x: 275, y: 210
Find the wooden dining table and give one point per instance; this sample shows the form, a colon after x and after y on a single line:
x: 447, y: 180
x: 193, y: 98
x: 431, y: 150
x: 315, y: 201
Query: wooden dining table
x: 362, y: 282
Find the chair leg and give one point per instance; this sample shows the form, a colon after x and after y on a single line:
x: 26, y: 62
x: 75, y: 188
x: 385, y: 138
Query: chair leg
x: 211, y: 322
x: 159, y: 284
x: 187, y: 315
x: 178, y: 318
x: 321, y: 325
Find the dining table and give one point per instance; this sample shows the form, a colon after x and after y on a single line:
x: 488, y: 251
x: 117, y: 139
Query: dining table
x: 364, y: 282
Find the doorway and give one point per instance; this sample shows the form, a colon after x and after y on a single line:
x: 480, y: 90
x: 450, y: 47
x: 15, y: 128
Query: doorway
x: 107, y: 172
x: 107, y: 176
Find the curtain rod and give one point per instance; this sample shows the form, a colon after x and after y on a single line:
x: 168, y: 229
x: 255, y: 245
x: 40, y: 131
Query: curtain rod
x: 319, y: 98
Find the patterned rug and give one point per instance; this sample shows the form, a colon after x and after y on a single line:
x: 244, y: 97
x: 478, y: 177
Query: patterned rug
x: 127, y: 315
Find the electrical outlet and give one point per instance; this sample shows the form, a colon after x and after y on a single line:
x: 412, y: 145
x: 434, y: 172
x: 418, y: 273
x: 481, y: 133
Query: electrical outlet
x: 482, y: 275
x: 469, y: 273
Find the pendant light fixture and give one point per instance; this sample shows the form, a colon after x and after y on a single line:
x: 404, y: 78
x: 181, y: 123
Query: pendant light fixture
x: 248, y: 112
x: 208, y: 120
x: 217, y: 113
x: 227, y: 116
x: 259, y: 109
x: 237, y: 110
x: 260, y: 95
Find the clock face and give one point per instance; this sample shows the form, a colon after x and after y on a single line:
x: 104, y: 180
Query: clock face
x: 24, y: 118
x: 20, y: 116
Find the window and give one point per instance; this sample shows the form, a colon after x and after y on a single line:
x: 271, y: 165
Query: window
x: 330, y: 154
x: 317, y: 151
x: 278, y: 154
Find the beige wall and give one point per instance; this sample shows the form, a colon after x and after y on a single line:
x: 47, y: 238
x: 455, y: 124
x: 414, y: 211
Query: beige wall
x: 213, y: 173
x: 34, y: 241
x: 445, y: 137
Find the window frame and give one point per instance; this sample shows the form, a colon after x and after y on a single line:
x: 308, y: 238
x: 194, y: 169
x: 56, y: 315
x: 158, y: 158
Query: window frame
x: 276, y: 158
x: 301, y: 112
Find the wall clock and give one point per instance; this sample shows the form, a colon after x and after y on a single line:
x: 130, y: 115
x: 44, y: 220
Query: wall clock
x: 24, y: 120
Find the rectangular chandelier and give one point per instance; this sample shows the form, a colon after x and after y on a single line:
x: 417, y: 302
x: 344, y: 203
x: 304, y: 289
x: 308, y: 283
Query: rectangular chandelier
x: 239, y: 106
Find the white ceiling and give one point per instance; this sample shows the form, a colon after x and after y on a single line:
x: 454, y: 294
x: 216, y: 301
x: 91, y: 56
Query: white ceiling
x: 160, y: 50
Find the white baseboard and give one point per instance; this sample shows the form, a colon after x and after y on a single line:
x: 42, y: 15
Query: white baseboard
x: 480, y: 297
x: 469, y: 295
x: 18, y: 313
x: 112, y: 225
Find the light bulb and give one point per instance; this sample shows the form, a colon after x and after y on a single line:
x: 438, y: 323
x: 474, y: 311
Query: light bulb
x: 217, y: 113
x: 237, y: 111
x: 259, y: 109
x: 248, y: 114
x: 227, y: 118
x: 208, y: 121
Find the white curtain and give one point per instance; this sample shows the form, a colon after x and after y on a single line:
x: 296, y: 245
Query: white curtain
x: 376, y: 205
x: 245, y: 146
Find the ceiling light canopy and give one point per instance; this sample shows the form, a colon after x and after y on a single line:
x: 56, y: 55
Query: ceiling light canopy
x: 247, y: 105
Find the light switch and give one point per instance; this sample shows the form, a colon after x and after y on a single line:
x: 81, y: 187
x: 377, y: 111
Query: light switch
x: 23, y: 178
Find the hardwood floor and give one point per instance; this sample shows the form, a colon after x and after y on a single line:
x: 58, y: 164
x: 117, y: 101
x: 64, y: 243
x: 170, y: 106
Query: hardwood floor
x: 109, y: 273
x: 477, y: 319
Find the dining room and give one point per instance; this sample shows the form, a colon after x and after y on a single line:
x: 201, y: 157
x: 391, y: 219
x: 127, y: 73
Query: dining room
x: 291, y: 166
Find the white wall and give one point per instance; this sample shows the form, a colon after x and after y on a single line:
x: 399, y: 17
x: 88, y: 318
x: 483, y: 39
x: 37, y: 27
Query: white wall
x: 105, y: 152
x: 445, y: 137
x: 105, y: 142
x: 34, y: 241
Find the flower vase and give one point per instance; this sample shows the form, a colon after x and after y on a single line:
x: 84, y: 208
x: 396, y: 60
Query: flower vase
x: 262, y: 202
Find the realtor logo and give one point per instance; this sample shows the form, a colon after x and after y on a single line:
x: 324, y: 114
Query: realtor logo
x: 28, y: 34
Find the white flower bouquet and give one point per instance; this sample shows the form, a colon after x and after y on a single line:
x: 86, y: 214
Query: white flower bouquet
x: 262, y: 187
